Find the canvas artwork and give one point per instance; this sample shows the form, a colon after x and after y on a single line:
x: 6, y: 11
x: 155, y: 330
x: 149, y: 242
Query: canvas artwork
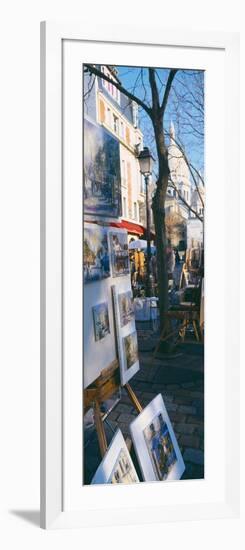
x: 116, y: 466
x: 96, y: 264
x: 119, y: 253
x: 130, y: 346
x: 126, y: 307
x: 160, y: 447
x: 123, y: 471
x: 101, y: 321
x: 102, y: 179
x: 155, y: 443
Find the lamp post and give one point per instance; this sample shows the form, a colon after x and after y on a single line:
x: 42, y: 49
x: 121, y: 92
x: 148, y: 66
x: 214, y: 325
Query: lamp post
x: 146, y: 163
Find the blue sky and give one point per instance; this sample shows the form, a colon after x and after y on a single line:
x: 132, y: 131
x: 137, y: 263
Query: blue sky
x: 185, y: 107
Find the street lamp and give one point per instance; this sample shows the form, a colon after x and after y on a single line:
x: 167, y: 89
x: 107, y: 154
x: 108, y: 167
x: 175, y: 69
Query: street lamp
x: 146, y: 164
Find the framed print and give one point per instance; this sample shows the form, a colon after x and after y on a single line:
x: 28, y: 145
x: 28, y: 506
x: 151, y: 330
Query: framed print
x: 96, y: 265
x: 118, y: 240
x: 101, y: 173
x: 126, y: 307
x: 117, y: 465
x: 101, y: 321
x: 127, y: 343
x: 90, y: 212
x: 157, y: 449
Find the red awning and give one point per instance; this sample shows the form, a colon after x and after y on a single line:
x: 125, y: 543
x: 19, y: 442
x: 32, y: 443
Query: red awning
x: 130, y: 226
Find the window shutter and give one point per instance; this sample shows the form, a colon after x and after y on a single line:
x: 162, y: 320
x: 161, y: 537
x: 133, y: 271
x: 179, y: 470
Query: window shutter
x: 102, y: 111
x: 127, y: 135
x: 129, y: 182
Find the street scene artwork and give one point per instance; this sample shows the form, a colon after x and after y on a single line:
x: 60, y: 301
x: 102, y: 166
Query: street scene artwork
x: 101, y: 321
x: 126, y: 307
x: 117, y: 466
x: 130, y: 347
x: 102, y: 189
x: 96, y: 264
x: 143, y: 200
x: 160, y: 447
x: 119, y: 253
x: 123, y: 471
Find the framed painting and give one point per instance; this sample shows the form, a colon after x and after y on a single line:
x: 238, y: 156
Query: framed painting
x: 66, y: 50
x: 117, y: 465
x: 156, y: 446
x: 96, y: 264
x: 118, y: 242
x: 101, y: 321
x: 102, y: 191
x: 127, y: 342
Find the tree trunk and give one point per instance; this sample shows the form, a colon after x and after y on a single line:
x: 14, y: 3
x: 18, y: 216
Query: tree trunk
x: 158, y: 208
x: 161, y: 243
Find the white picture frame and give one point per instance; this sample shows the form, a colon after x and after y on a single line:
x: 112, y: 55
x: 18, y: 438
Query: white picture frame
x: 123, y: 332
x: 106, y: 469
x: 218, y: 495
x: 139, y: 427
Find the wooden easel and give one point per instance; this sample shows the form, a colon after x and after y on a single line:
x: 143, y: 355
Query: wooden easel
x: 104, y: 387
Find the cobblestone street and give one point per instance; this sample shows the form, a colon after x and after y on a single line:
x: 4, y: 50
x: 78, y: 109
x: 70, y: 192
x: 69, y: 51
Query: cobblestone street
x: 179, y: 377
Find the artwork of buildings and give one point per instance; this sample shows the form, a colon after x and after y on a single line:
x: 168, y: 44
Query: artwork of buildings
x: 113, y: 114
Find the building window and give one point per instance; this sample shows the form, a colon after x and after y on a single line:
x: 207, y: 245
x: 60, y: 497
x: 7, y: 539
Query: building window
x: 122, y: 130
x: 115, y: 124
x: 113, y: 91
x: 124, y: 207
x: 135, y: 211
x: 109, y: 117
x: 124, y: 181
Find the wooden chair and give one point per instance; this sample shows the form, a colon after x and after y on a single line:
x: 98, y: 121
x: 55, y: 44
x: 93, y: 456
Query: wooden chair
x: 186, y: 314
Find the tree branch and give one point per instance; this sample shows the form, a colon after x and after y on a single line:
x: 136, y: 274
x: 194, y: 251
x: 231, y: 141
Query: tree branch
x: 171, y: 76
x: 154, y: 90
x: 121, y: 88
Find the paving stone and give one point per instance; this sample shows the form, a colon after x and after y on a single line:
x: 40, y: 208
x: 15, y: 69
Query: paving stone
x: 198, y: 420
x: 113, y: 415
x: 190, y: 441
x: 125, y: 418
x: 193, y: 471
x: 184, y: 428
x: 194, y: 455
x: 183, y: 400
x: 167, y: 397
x: 187, y: 409
x: 199, y: 405
x: 171, y: 407
x: 173, y: 386
x: 199, y: 430
x: 184, y: 393
x: 175, y: 416
x: 197, y: 395
x: 188, y: 385
x: 123, y: 407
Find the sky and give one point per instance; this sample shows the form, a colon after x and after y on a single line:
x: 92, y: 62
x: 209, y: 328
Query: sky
x: 185, y: 107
